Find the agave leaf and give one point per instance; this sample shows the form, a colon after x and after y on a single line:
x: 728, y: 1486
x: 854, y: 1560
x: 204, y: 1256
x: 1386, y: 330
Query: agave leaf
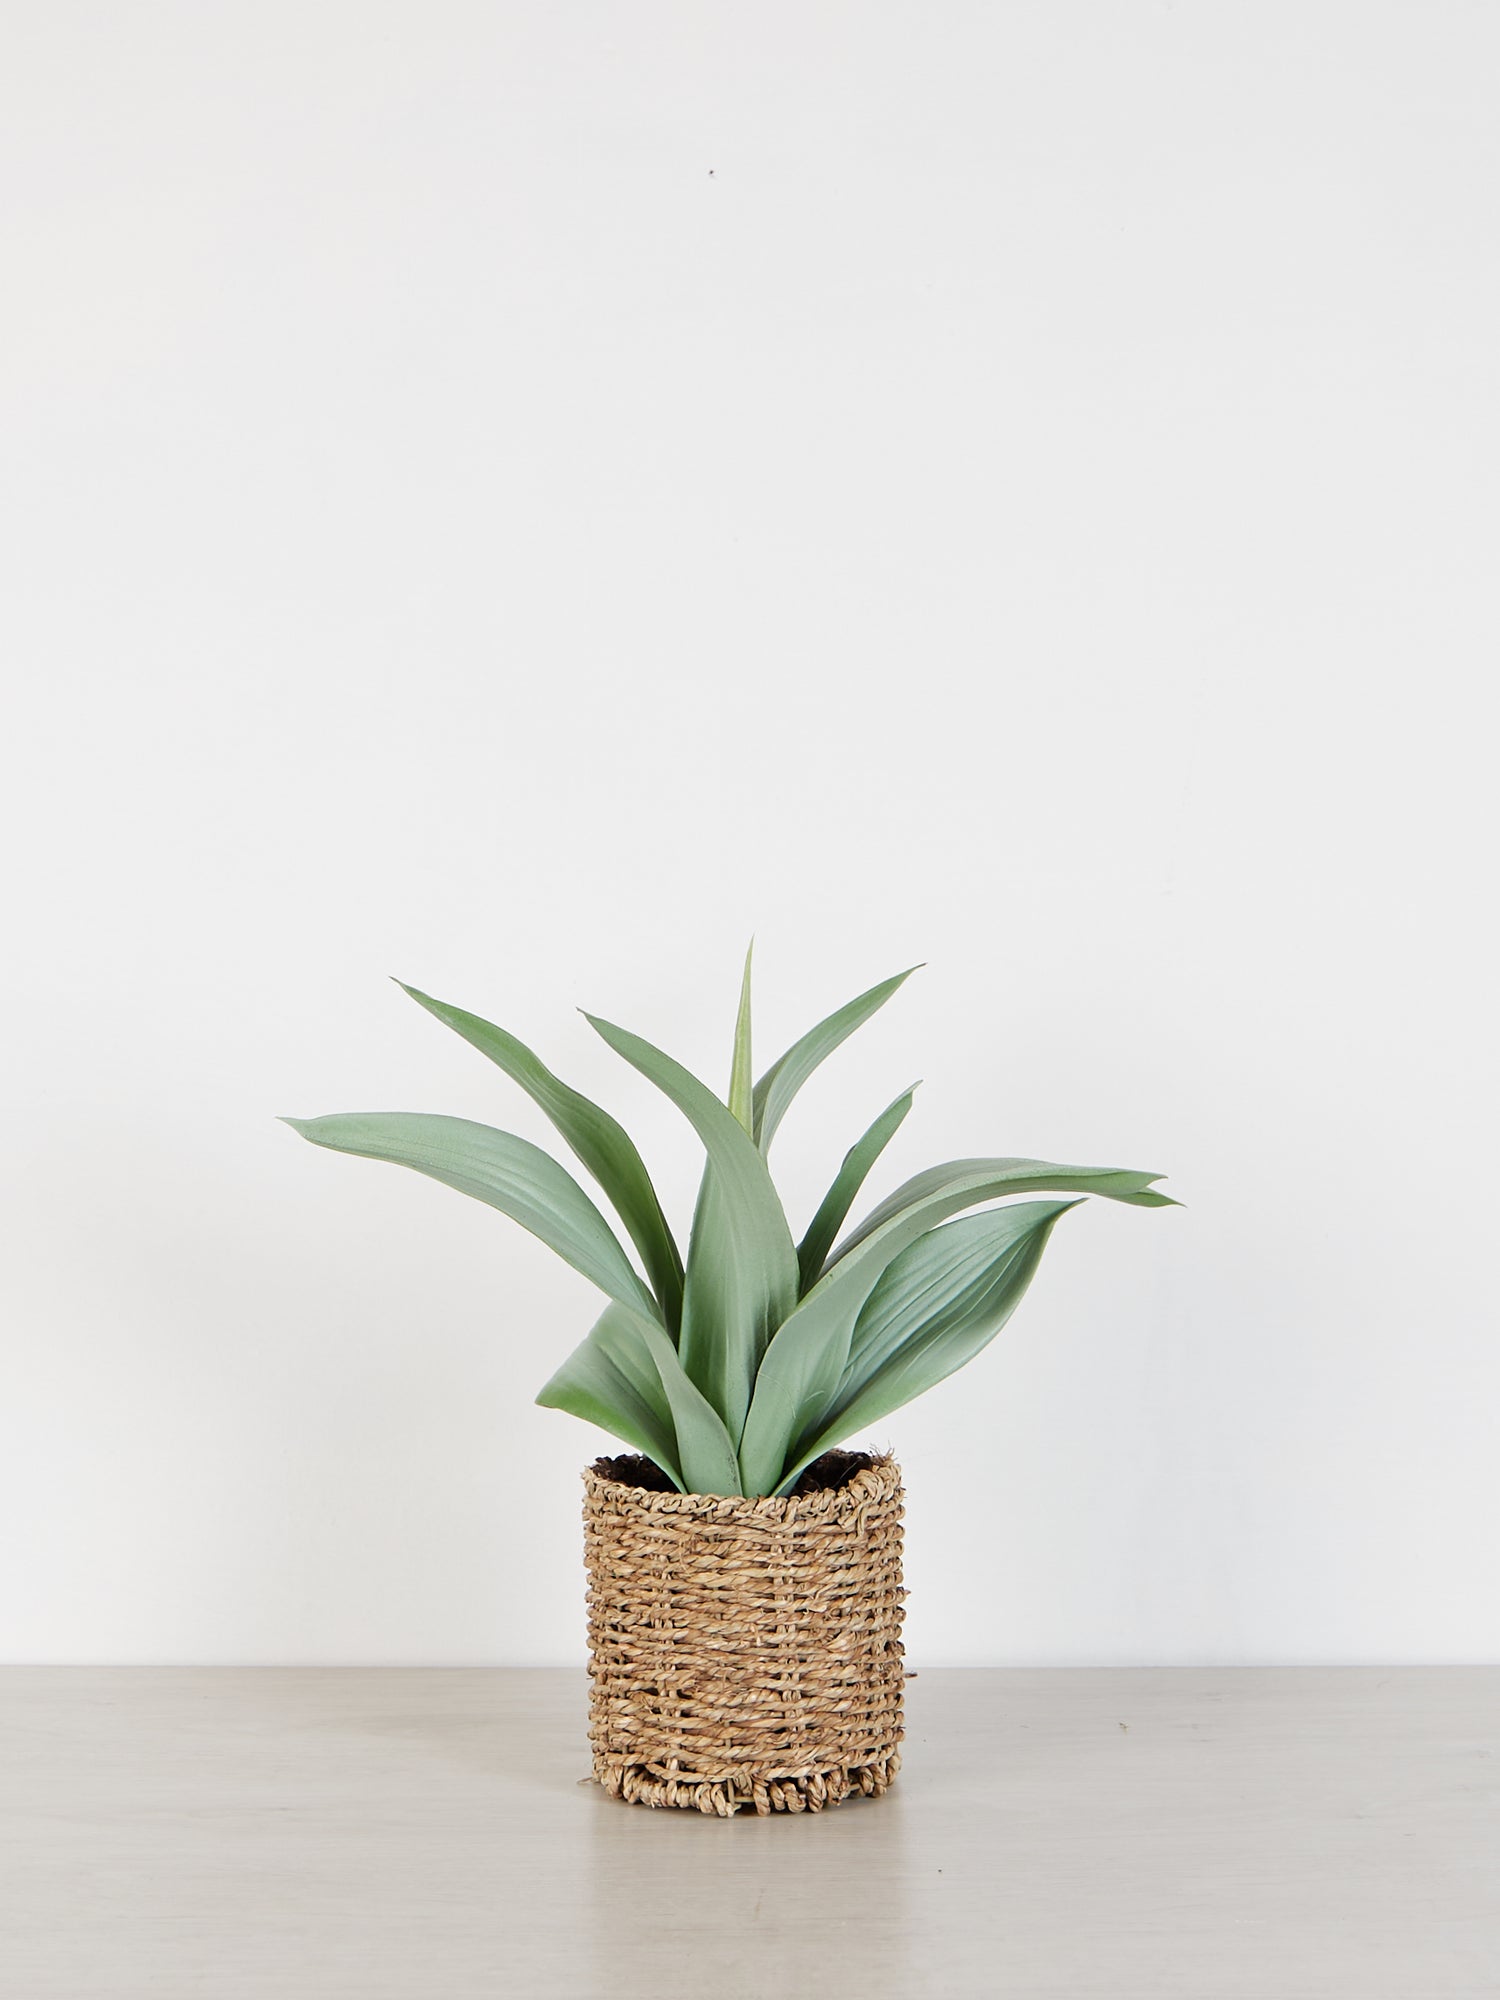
x: 611, y: 1380
x: 786, y: 1076
x: 599, y: 1141
x: 507, y: 1172
x: 741, y: 1099
x: 936, y: 1305
x: 741, y: 1267
x: 812, y: 1251
x: 803, y: 1365
x: 626, y: 1378
x: 704, y: 1448
x: 1029, y: 1177
x: 938, y: 1280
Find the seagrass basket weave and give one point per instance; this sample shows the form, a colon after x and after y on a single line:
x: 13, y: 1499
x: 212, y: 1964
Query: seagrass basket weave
x: 745, y: 1652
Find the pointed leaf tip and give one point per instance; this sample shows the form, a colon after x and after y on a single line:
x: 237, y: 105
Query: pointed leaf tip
x: 741, y: 1099
x: 598, y: 1140
x: 786, y: 1076
x: 812, y: 1251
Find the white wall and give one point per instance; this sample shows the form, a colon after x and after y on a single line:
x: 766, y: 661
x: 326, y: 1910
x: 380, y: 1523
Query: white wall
x: 520, y: 496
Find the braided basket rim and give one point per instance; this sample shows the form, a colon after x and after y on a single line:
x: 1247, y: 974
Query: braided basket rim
x: 877, y: 1479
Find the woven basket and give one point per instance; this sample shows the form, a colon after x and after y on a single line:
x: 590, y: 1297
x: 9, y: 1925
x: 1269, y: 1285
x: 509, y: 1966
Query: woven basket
x: 745, y: 1652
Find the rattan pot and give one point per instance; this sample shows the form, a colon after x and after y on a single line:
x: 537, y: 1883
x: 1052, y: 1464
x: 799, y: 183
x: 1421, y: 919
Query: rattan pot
x: 745, y: 1652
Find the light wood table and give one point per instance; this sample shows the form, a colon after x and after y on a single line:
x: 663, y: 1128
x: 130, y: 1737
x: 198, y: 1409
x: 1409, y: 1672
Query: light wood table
x: 385, y: 1834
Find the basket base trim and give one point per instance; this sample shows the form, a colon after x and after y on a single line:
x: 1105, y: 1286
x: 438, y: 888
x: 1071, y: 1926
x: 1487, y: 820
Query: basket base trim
x: 803, y: 1791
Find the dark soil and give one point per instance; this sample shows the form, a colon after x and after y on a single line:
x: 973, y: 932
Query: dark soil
x: 824, y: 1475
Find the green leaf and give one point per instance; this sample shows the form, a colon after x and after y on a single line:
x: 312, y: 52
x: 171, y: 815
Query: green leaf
x: 705, y: 1450
x: 626, y: 1378
x: 937, y: 1281
x: 1028, y: 1177
x: 508, y: 1173
x: 611, y: 1380
x: 741, y: 1268
x: 741, y: 1101
x: 812, y: 1251
x: 804, y: 1363
x: 786, y: 1076
x: 599, y: 1141
x: 936, y: 1305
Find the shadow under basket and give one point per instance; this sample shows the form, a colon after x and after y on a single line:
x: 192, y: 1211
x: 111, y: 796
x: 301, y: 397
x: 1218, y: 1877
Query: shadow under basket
x: 745, y: 1652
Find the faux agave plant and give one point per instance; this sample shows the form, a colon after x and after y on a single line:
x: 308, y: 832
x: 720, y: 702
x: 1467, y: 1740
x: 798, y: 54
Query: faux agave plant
x: 733, y: 1369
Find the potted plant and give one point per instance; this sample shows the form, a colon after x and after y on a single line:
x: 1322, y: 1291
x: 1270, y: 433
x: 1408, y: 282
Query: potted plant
x: 745, y: 1573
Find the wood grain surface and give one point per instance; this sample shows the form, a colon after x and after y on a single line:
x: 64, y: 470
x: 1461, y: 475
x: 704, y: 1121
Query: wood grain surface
x: 382, y: 1834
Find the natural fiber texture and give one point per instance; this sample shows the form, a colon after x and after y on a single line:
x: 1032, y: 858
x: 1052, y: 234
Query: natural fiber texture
x: 745, y: 1652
